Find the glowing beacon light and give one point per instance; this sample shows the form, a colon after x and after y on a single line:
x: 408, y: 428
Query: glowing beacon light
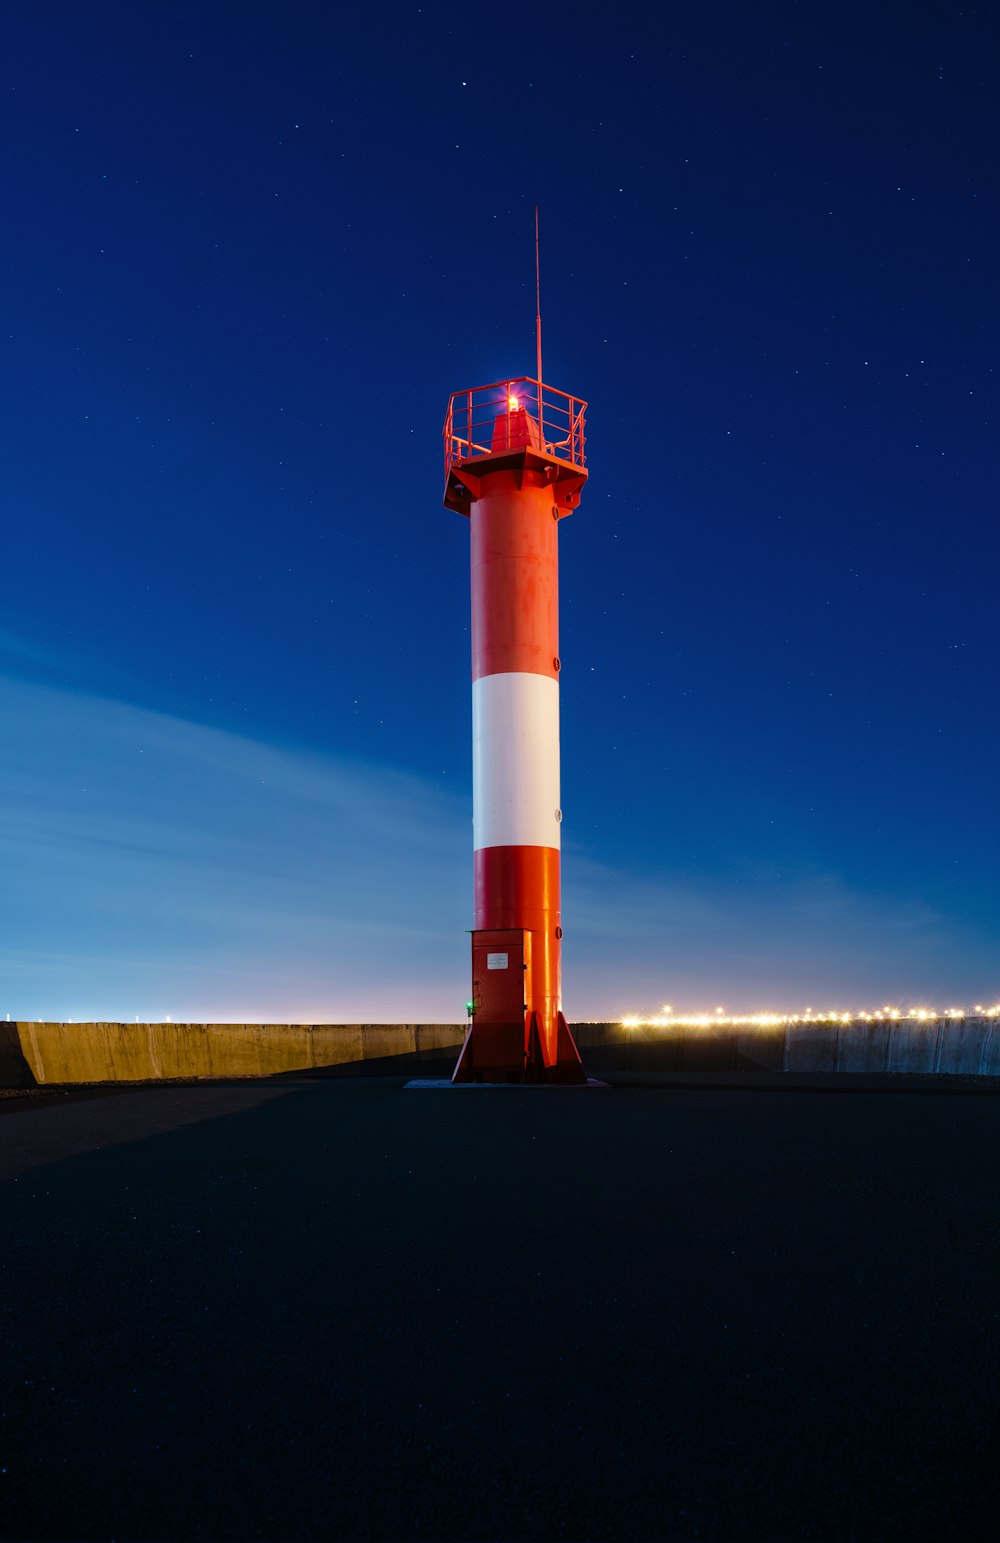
x: 515, y: 467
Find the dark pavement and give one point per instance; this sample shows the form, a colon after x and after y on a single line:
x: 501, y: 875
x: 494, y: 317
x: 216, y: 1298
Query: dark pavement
x: 338, y: 1309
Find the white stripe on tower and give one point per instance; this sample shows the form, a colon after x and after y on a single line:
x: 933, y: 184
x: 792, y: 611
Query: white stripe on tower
x: 515, y: 760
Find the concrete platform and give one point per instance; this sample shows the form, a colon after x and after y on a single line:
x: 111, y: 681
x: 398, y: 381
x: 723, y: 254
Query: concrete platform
x: 323, y: 1309
x: 507, y: 1087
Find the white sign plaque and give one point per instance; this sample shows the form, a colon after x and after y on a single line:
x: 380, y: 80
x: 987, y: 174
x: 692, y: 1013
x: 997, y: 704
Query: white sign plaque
x: 497, y: 961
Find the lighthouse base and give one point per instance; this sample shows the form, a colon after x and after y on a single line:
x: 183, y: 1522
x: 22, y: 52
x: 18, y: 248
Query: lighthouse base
x: 512, y: 1053
x: 509, y: 1039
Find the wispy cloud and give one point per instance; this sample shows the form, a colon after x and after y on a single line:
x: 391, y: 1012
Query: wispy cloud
x: 155, y: 866
x: 18, y: 651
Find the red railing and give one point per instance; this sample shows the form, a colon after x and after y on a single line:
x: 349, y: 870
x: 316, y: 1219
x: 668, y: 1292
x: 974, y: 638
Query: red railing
x: 514, y: 415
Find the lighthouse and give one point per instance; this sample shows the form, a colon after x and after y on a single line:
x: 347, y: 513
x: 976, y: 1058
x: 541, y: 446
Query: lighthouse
x: 515, y: 465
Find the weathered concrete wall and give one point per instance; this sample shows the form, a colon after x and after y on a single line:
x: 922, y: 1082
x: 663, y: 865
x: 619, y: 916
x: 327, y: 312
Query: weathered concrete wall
x: 39, y: 1053
x: 811, y: 1048
x: 760, y: 1049
x: 961, y: 1046
x: 913, y: 1047
x: 990, y: 1066
x: 143, y: 1052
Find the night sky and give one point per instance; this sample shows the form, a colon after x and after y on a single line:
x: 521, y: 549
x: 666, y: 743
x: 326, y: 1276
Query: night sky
x: 249, y: 250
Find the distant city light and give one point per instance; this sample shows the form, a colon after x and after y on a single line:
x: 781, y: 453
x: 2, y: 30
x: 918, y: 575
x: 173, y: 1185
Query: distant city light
x: 669, y: 1019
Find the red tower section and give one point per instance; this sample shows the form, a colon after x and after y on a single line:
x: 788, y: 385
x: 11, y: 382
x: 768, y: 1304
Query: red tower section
x: 515, y: 464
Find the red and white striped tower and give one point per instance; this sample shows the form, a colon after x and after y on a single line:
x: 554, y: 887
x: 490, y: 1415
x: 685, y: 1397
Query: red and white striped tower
x: 515, y: 464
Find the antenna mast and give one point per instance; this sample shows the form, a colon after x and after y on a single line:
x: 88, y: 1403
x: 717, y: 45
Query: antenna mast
x: 538, y: 318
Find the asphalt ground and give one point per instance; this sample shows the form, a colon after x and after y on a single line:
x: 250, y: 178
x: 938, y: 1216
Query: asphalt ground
x: 341, y: 1309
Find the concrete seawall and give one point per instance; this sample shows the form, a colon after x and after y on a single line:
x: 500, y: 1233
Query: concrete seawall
x: 934, y: 1046
x: 36, y: 1054
x: 59, y: 1053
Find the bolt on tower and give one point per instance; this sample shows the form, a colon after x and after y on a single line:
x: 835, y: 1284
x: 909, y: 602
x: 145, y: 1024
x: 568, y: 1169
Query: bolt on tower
x: 515, y: 466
